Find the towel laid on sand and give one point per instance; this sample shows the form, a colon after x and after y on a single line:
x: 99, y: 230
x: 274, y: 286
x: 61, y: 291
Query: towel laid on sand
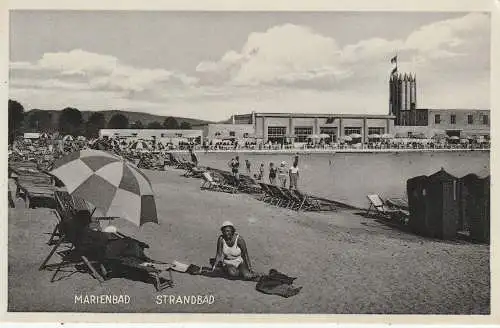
x: 277, y: 283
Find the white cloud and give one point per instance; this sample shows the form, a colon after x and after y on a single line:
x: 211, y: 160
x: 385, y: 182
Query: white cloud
x: 448, y: 34
x: 282, y: 54
x: 103, y: 71
x: 291, y: 54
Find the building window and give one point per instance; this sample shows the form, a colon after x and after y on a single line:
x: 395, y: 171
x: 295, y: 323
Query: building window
x: 437, y: 119
x: 232, y: 133
x: 331, y: 131
x: 350, y: 130
x: 453, y: 119
x: 376, y: 131
x: 485, y: 119
x: 301, y: 133
x: 276, y: 133
x: 470, y: 119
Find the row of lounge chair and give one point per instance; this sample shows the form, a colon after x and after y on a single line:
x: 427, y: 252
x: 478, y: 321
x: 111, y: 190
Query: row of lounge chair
x: 74, y: 252
x: 289, y: 198
x: 34, y: 186
x: 219, y: 180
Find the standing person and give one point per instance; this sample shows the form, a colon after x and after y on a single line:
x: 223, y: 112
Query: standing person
x: 272, y: 174
x: 282, y: 172
x: 261, y: 171
x: 294, y: 175
x: 247, y: 162
x: 235, y: 167
x: 194, y: 158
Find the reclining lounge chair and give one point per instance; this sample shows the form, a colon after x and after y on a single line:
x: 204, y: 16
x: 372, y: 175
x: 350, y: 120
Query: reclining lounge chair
x: 209, y: 183
x: 386, y: 210
x: 95, y: 249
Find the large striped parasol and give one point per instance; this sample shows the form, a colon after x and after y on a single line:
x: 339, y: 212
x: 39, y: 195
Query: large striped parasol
x: 109, y: 183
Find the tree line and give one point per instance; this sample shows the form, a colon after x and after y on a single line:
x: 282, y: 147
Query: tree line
x: 71, y: 122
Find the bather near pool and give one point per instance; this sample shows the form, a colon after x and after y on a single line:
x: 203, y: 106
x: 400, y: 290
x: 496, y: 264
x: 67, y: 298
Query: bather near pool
x: 232, y: 254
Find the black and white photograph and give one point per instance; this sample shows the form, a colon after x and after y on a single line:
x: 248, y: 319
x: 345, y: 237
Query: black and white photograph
x: 250, y: 162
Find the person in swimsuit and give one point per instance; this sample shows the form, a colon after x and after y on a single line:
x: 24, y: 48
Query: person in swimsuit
x: 232, y: 253
x: 234, y: 164
x: 272, y: 174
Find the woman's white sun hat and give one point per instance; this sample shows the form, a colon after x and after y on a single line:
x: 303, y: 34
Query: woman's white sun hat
x: 227, y: 224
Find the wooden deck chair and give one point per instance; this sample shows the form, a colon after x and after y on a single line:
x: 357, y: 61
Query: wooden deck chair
x: 73, y: 257
x: 67, y: 208
x: 306, y: 202
x: 209, y: 183
x: 267, y: 195
x: 35, y: 194
x: 295, y: 199
x: 383, y: 209
x: 195, y: 172
x: 277, y: 195
x: 286, y: 200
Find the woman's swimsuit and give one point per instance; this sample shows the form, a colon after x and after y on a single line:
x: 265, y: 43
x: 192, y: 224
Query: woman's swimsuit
x: 232, y: 255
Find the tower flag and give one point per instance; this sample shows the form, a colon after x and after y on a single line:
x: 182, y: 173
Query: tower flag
x: 394, y: 60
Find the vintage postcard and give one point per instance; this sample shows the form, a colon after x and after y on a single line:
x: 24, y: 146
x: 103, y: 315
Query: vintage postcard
x: 249, y: 160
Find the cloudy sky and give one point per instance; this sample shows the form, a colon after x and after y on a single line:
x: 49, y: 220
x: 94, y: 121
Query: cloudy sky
x: 211, y: 65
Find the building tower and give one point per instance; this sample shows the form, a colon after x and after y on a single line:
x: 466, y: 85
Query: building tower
x: 403, y: 98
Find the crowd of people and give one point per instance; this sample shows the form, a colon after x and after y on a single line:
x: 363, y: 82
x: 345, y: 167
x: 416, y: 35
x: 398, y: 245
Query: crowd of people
x: 280, y: 175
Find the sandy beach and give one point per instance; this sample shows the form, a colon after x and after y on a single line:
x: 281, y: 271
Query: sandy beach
x: 345, y: 262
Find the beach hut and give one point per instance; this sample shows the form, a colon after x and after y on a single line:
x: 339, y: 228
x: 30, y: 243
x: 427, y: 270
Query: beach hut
x: 434, y: 204
x: 475, y: 206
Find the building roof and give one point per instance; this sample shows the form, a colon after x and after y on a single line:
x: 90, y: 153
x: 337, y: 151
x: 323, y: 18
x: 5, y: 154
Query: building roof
x: 309, y: 115
x: 458, y: 109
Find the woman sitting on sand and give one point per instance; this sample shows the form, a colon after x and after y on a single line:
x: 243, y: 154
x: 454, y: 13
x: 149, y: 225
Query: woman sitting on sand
x: 232, y: 253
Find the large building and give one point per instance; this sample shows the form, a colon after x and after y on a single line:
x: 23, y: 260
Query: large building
x: 278, y: 127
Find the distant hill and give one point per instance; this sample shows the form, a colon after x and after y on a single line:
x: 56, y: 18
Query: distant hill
x: 145, y: 118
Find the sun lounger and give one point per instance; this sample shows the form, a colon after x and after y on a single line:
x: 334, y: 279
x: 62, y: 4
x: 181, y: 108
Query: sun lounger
x: 36, y: 195
x: 284, y: 200
x: 296, y: 201
x: 267, y: 195
x: 195, y: 172
x: 277, y: 198
x: 209, y: 183
x: 70, y: 209
x: 384, y: 209
x: 306, y: 202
